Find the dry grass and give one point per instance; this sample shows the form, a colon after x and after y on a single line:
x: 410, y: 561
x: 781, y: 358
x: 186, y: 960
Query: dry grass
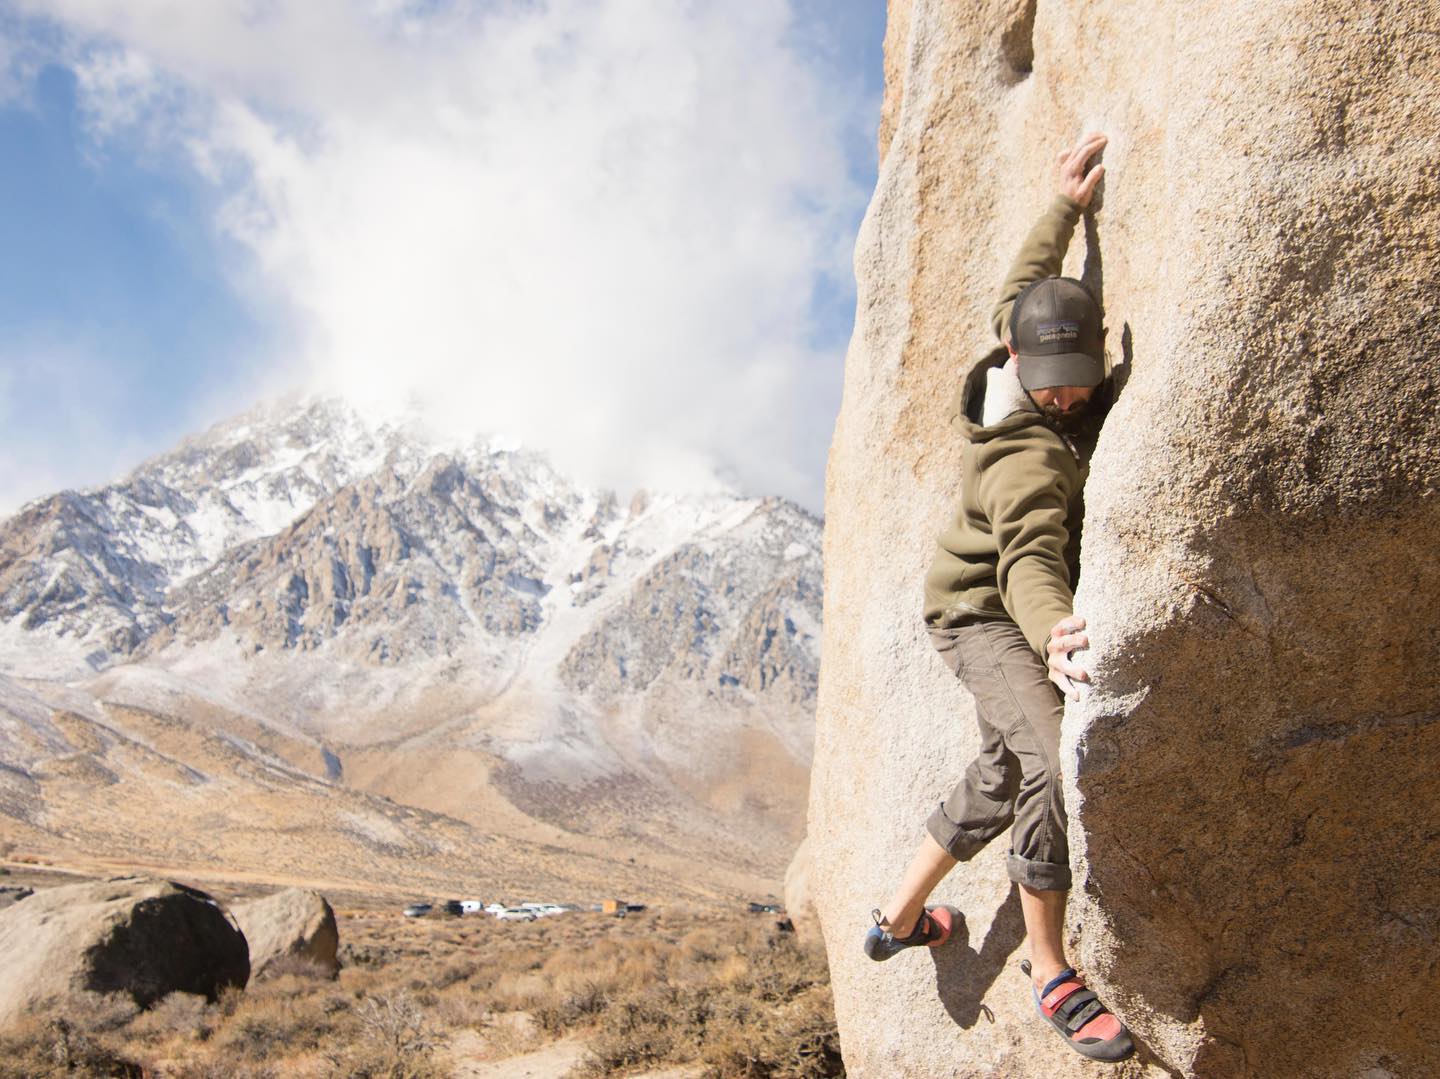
x: 727, y: 994
x: 747, y: 1004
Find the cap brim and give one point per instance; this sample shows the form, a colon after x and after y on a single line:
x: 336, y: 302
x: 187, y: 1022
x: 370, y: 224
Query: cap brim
x: 1063, y: 369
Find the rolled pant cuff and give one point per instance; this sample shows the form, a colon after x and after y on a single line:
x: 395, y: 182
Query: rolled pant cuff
x: 1042, y: 876
x: 958, y: 843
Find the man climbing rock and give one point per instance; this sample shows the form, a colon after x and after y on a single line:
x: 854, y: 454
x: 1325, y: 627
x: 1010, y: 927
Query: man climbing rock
x: 999, y: 608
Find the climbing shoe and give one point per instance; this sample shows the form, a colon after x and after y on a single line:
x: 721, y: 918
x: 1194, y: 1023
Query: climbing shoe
x: 1087, y: 1026
x: 932, y: 929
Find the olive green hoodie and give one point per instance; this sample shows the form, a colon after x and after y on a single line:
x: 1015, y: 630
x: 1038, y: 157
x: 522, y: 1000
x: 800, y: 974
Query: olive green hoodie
x: 1013, y: 549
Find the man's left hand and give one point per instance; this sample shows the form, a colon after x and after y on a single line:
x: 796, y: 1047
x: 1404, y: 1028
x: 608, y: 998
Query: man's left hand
x: 1067, y: 637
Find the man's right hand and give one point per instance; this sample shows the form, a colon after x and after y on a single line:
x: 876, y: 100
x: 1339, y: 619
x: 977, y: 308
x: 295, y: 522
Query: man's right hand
x: 1066, y: 637
x: 1075, y: 181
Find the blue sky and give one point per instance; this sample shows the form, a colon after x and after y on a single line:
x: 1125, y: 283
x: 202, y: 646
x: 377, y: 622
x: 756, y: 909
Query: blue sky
x: 171, y: 248
x: 120, y: 326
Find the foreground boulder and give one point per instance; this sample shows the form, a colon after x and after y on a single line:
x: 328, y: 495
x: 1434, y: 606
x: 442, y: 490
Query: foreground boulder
x: 133, y: 935
x: 1251, y: 784
x: 293, y: 924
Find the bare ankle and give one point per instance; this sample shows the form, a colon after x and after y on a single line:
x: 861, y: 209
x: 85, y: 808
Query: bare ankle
x: 900, y: 925
x: 1042, y: 973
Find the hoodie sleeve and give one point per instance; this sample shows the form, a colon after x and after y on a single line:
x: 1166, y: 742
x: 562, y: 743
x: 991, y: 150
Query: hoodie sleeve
x: 1040, y: 256
x: 1025, y: 492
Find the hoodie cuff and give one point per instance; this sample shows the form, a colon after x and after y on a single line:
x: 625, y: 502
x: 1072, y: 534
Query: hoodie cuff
x: 1067, y: 207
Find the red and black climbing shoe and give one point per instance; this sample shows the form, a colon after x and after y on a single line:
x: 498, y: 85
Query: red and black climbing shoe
x: 932, y: 929
x: 1087, y: 1026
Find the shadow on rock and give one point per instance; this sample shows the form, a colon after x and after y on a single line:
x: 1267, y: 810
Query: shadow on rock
x: 963, y: 975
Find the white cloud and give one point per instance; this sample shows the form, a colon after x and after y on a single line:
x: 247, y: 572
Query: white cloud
x: 18, y: 65
x: 594, y: 226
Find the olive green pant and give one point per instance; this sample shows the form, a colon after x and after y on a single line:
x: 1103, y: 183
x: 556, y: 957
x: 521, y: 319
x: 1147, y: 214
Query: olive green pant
x: 1014, y: 782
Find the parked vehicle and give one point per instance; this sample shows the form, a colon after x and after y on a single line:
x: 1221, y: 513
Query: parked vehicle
x: 516, y: 915
x: 454, y: 908
x: 471, y: 906
x: 418, y: 910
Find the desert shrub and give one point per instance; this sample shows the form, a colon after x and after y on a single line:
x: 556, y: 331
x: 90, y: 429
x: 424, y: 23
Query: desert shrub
x: 452, y: 973
x: 743, y: 1000
x: 229, y: 1000
x: 518, y: 991
x: 575, y: 1008
x: 373, y: 954
x: 295, y: 966
x: 96, y: 1013
x: 459, y: 1010
x: 253, y: 1035
x: 649, y: 1026
x: 398, y: 1023
x: 222, y: 1069
x: 705, y: 946
x: 797, y: 1041
x: 277, y: 1023
x: 611, y: 965
x: 46, y: 1048
x: 183, y: 1015
x: 395, y: 1041
x: 732, y: 970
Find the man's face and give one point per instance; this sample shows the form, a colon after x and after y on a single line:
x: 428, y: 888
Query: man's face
x: 1065, y: 406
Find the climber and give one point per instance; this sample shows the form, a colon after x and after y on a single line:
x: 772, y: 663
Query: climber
x: 999, y: 608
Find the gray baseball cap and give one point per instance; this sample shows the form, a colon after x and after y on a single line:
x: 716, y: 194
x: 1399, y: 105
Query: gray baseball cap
x: 1055, y: 330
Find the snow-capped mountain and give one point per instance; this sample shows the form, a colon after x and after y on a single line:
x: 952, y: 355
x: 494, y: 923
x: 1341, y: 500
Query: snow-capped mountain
x: 434, y: 618
x: 92, y: 568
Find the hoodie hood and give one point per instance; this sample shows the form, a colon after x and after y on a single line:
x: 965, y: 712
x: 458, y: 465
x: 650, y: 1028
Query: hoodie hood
x: 967, y: 409
x: 968, y: 406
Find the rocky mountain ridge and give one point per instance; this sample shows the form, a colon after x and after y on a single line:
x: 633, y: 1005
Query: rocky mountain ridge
x: 412, y: 609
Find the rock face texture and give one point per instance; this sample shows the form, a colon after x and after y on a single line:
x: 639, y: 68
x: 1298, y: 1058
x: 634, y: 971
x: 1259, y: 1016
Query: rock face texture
x: 294, y: 923
x: 1251, y: 781
x: 799, y: 899
x: 146, y: 938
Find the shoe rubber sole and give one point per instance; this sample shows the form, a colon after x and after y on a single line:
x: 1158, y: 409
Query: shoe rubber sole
x: 1110, y: 1051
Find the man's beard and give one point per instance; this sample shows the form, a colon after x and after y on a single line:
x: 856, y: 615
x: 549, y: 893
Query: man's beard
x: 1070, y: 420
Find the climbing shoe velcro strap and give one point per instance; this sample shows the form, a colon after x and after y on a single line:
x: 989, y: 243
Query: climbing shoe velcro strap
x: 1067, y: 1006
x: 1083, y: 1013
